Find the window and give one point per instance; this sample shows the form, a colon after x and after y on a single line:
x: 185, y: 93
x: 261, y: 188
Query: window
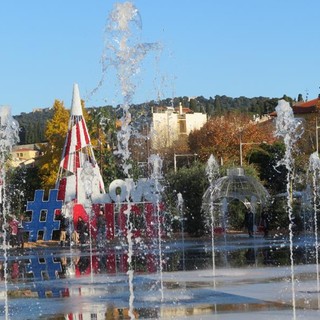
x: 182, y: 127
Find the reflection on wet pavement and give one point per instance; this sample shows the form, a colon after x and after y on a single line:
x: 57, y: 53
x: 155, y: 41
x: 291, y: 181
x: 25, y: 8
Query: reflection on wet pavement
x: 55, y: 283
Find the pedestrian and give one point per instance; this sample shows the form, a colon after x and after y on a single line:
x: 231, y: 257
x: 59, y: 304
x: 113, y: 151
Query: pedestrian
x: 101, y: 229
x: 13, y: 224
x: 82, y: 230
x: 63, y: 230
x: 265, y: 222
x: 74, y: 238
x: 248, y: 221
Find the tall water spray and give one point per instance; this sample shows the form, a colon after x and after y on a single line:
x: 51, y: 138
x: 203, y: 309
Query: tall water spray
x: 9, y: 135
x: 290, y: 129
x: 180, y: 206
x: 224, y: 219
x: 88, y: 178
x: 314, y: 168
x: 124, y: 53
x: 156, y: 177
x: 212, y: 171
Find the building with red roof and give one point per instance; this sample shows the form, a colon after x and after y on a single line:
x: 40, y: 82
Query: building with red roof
x: 306, y: 107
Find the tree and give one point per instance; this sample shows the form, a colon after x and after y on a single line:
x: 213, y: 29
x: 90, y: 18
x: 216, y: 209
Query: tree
x: 32, y: 125
x: 221, y: 136
x: 102, y: 129
x: 193, y: 105
x: 300, y: 97
x: 217, y: 105
x: 21, y: 184
x: 191, y: 183
x: 265, y: 158
x: 55, y: 133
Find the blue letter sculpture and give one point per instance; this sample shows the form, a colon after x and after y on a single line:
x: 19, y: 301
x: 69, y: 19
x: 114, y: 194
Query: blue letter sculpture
x: 49, y: 224
x: 44, y: 268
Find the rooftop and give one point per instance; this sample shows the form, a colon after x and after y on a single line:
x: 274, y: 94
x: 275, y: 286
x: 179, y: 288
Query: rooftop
x: 303, y: 107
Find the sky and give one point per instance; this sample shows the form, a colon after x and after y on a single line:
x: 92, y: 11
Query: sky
x: 205, y: 48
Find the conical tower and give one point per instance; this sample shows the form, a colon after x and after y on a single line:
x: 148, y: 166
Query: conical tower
x: 78, y: 166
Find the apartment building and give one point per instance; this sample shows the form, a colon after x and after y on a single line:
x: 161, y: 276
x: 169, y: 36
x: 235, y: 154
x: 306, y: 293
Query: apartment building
x: 168, y: 124
x: 24, y: 155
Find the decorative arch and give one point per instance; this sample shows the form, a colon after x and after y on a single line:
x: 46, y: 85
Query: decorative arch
x: 234, y: 186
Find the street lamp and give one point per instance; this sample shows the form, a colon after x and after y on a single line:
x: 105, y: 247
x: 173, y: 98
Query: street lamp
x: 243, y: 143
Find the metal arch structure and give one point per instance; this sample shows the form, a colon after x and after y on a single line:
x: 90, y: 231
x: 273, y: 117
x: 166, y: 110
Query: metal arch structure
x: 236, y: 186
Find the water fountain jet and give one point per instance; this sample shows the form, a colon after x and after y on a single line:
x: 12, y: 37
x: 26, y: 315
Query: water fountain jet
x: 314, y: 168
x: 9, y: 136
x: 290, y: 129
x: 212, y: 171
x: 125, y: 54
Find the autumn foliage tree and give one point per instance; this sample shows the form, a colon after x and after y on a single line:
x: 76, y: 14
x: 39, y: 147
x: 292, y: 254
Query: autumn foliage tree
x: 101, y: 124
x: 221, y: 136
x: 55, y: 132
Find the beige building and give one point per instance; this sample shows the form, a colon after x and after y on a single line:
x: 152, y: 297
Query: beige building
x: 24, y: 155
x: 168, y: 124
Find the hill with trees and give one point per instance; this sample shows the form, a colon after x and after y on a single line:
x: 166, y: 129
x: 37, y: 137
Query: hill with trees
x: 32, y: 125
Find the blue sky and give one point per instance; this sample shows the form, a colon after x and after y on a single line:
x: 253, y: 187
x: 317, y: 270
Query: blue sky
x: 209, y: 47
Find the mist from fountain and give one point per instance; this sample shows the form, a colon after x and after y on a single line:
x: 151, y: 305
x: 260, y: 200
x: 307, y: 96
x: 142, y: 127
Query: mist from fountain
x: 224, y: 217
x: 253, y: 207
x: 156, y: 176
x: 314, y: 169
x: 124, y: 53
x: 87, y: 176
x: 9, y: 136
x: 180, y: 207
x: 290, y: 129
x: 212, y: 171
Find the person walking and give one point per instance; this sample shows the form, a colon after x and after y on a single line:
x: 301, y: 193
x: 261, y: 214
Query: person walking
x: 82, y: 230
x: 13, y: 224
x: 248, y: 220
x: 101, y: 229
x: 265, y: 222
x: 63, y: 230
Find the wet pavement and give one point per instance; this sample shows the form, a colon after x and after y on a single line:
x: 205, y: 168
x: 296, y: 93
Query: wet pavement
x: 251, y: 279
